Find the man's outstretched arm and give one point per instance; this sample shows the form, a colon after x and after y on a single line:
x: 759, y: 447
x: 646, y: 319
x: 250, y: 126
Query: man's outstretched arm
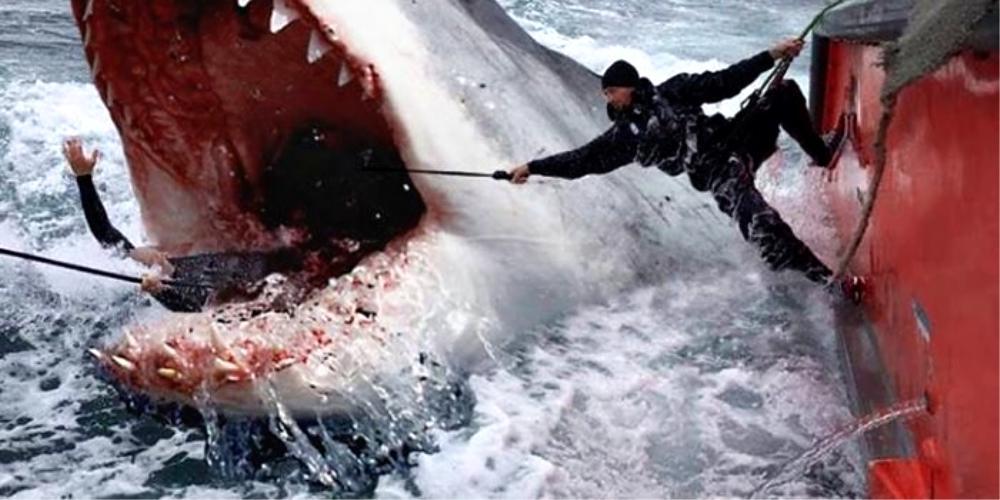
x: 612, y: 149
x: 715, y: 86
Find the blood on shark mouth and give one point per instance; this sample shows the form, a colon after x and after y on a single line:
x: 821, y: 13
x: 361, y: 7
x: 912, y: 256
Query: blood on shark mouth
x: 240, y: 117
x: 246, y: 124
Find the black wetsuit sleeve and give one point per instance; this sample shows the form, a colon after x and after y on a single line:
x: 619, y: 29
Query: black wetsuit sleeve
x: 715, y: 86
x: 97, y: 217
x: 181, y: 299
x: 178, y: 299
x: 612, y: 149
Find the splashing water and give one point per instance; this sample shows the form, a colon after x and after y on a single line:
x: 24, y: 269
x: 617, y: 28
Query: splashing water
x: 878, y: 419
x: 341, y: 455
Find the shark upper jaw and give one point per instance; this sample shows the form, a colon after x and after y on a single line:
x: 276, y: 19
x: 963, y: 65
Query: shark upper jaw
x: 227, y: 109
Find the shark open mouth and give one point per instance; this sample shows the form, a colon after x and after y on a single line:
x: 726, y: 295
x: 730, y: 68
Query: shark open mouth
x: 247, y: 125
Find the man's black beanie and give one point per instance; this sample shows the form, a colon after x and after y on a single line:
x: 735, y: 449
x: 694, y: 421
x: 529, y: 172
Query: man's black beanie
x: 620, y: 74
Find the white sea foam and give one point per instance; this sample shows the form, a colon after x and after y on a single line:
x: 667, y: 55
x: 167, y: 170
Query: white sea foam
x: 695, y: 388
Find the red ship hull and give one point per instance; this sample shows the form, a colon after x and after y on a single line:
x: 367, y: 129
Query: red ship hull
x: 930, y: 256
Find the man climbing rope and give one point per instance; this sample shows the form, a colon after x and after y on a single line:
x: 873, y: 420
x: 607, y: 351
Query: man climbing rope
x: 664, y: 126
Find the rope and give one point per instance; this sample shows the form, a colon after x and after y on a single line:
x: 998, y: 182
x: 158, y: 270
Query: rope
x: 901, y: 73
x: 778, y: 74
x: 881, y: 146
x: 752, y: 104
x: 93, y: 271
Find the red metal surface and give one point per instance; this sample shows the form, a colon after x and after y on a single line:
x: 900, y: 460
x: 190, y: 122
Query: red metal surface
x: 931, y: 252
x: 899, y: 479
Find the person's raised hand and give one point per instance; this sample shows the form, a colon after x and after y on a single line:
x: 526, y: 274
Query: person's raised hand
x: 79, y: 162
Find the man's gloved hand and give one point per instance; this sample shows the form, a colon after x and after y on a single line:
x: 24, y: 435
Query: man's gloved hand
x: 787, y: 49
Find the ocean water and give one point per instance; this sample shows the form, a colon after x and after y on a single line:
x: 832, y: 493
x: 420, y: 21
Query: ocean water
x: 700, y: 386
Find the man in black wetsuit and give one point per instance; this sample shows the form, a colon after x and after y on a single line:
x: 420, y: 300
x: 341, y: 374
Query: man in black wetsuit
x: 226, y: 273
x: 664, y: 126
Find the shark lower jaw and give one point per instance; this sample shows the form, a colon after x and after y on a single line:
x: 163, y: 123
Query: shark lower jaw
x: 247, y: 124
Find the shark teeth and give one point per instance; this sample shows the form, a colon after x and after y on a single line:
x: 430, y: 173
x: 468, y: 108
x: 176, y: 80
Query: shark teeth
x: 123, y: 363
x: 227, y: 366
x: 96, y: 354
x: 87, y: 37
x: 169, y: 373
x: 170, y: 351
x: 243, y: 3
x: 130, y: 340
x: 218, y: 345
x: 318, y: 47
x: 368, y: 85
x: 282, y: 15
x: 345, y: 76
x: 95, y: 67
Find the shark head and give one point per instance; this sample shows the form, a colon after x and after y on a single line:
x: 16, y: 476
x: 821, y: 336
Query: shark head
x: 249, y: 124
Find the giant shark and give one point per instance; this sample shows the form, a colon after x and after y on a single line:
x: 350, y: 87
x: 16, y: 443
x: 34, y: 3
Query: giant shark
x: 213, y: 97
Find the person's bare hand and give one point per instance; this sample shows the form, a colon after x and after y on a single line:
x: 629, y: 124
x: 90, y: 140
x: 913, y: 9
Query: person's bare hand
x: 151, y: 283
x: 520, y: 174
x: 152, y: 257
x: 79, y: 162
x: 787, y: 49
